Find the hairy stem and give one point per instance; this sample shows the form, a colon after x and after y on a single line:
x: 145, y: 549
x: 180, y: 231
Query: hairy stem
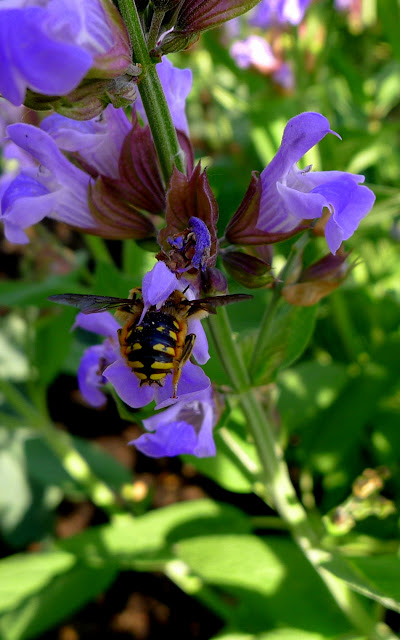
x: 155, y: 105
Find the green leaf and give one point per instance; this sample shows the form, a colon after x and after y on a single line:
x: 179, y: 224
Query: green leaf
x: 44, y: 466
x: 22, y: 575
x: 46, y: 589
x: 109, y: 281
x: 376, y: 577
x: 389, y: 15
x: 152, y: 535
x: 25, y: 293
x: 260, y: 577
x: 286, y: 339
x: 235, y: 467
x: 307, y: 389
x: 52, y: 342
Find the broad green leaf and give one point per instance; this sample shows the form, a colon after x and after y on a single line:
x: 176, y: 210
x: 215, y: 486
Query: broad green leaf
x: 61, y: 593
x: 286, y: 339
x: 15, y: 492
x: 266, y: 580
x: 389, y: 14
x: 47, y: 469
x: 127, y: 540
x: 225, y: 468
x: 52, y: 342
x: 307, y: 389
x: 25, y: 574
x: 14, y: 364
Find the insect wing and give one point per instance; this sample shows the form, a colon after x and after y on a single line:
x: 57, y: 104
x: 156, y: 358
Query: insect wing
x: 211, y: 303
x: 89, y: 303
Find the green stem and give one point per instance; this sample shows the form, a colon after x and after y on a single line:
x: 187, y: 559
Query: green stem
x: 155, y: 105
x: 156, y: 22
x: 61, y: 444
x: 277, y: 483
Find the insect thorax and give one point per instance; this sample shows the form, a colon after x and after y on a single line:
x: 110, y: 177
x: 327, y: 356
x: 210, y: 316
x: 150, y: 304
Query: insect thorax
x: 151, y: 347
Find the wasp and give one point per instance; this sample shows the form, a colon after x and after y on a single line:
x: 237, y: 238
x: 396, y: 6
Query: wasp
x: 157, y: 343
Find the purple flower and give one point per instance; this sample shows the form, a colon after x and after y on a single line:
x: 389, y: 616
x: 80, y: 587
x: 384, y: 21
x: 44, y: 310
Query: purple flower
x: 105, y: 363
x: 97, y: 358
x: 49, y: 46
x: 284, y: 76
x: 290, y: 195
x: 183, y: 428
x: 254, y: 51
x: 270, y: 13
x: 55, y: 188
x: 177, y: 84
x: 97, y: 142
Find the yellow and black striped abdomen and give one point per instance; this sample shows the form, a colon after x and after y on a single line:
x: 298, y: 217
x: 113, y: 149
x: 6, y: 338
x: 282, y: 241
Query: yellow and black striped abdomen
x: 150, y: 348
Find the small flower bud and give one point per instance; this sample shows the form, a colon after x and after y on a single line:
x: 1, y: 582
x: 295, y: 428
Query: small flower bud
x: 173, y: 42
x: 249, y: 271
x: 213, y: 282
x: 318, y: 280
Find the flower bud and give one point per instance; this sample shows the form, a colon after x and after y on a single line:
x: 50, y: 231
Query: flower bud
x: 249, y: 271
x: 213, y: 282
x: 318, y: 280
x: 173, y: 42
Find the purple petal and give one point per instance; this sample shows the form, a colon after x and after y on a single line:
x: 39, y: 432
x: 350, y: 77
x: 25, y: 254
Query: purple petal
x: 158, y: 284
x: 271, y: 13
x: 350, y: 203
x: 301, y: 205
x: 177, y: 84
x: 89, y: 379
x: 301, y: 133
x: 200, y: 350
x: 42, y: 147
x: 66, y: 185
x: 102, y: 323
x: 171, y: 439
x: 193, y: 381
x: 185, y: 427
x: 127, y: 386
x: 43, y: 64
x: 256, y: 51
x: 98, y: 142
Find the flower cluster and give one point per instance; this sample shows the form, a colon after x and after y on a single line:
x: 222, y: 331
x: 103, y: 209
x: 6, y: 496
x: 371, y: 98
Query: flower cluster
x: 262, y: 49
x: 99, y: 172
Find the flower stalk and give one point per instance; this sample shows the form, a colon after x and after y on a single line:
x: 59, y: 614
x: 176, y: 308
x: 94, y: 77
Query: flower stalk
x: 155, y: 105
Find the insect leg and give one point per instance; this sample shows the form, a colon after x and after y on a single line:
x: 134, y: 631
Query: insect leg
x: 186, y: 353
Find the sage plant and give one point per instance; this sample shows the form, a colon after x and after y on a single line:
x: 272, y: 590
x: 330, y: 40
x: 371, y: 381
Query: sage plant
x: 115, y: 160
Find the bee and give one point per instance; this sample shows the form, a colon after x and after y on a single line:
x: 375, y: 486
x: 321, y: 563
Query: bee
x: 157, y: 343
